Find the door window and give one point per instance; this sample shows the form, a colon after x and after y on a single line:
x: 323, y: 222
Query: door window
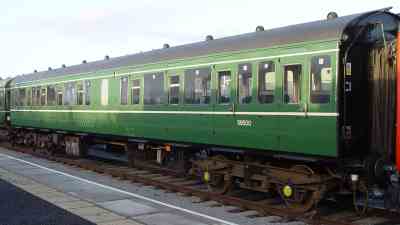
x: 59, y: 96
x: 124, y: 90
x: 173, y: 97
x: 135, y: 92
x: 292, y: 84
x: 87, y: 92
x: 43, y: 96
x: 321, y: 79
x: 80, y: 93
x: 224, y: 81
x: 245, y: 87
x: 266, y: 82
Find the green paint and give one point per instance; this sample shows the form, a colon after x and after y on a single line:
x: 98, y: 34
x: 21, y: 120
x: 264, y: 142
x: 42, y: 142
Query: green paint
x: 307, y: 135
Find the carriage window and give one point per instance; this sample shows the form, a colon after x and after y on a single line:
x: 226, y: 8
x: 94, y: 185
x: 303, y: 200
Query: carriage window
x: 59, y: 96
x: 198, y: 86
x: 80, y: 93
x: 17, y: 96
x: 224, y: 90
x: 292, y: 84
x: 37, y: 98
x: 266, y: 82
x: 14, y: 98
x: 51, y: 95
x: 153, y: 88
x: 29, y: 97
x: 70, y: 94
x: 173, y: 97
x: 87, y: 92
x: 124, y: 90
x: 135, y: 92
x: 21, y: 96
x: 33, y: 93
x: 43, y: 96
x: 321, y: 79
x: 104, y: 92
x: 245, y: 86
x: 2, y: 98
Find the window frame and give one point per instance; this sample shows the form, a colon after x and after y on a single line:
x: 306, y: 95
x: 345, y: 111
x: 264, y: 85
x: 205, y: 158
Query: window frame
x: 300, y: 98
x: 73, y: 99
x: 80, y: 91
x: 2, y: 97
x: 126, y: 98
x: 162, y: 97
x: 21, y: 100
x: 251, y: 82
x: 43, y: 96
x: 33, y: 96
x: 104, y: 92
x: 208, y: 91
x: 53, y: 102
x: 36, y: 95
x: 29, y: 96
x: 87, y: 96
x: 275, y: 97
x: 229, y: 73
x: 60, y: 100
x: 15, y: 98
x: 135, y: 88
x: 332, y: 83
x: 170, y: 85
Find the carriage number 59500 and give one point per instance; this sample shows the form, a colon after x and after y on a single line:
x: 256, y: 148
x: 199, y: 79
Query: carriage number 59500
x: 244, y: 123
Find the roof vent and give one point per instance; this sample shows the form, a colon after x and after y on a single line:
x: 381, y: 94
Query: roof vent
x: 166, y: 45
x: 332, y: 16
x: 84, y: 61
x: 50, y: 69
x: 106, y: 57
x: 63, y: 66
x: 259, y: 28
x: 35, y: 71
x: 209, y: 38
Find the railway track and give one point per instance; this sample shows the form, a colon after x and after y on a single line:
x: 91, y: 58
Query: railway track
x: 258, y: 205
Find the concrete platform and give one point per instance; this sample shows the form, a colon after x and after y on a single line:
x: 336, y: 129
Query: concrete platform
x: 21, y: 207
x: 97, y: 203
x: 166, y: 219
x: 129, y: 208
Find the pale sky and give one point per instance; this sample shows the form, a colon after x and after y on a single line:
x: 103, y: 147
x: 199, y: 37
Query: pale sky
x: 47, y: 33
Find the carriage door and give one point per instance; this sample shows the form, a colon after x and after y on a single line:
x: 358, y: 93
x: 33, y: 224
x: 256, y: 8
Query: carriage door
x: 321, y: 103
x: 293, y: 123
x: 224, y: 102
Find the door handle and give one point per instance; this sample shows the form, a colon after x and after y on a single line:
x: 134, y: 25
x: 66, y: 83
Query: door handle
x: 232, y: 108
x: 305, y: 109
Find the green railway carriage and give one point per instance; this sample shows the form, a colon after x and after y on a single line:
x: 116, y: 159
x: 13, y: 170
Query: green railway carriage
x: 251, y: 91
x: 4, y: 102
x: 297, y: 108
x: 268, y: 90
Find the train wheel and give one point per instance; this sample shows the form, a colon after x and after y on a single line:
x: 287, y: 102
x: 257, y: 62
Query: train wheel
x: 216, y: 183
x: 299, y: 198
x: 214, y: 172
